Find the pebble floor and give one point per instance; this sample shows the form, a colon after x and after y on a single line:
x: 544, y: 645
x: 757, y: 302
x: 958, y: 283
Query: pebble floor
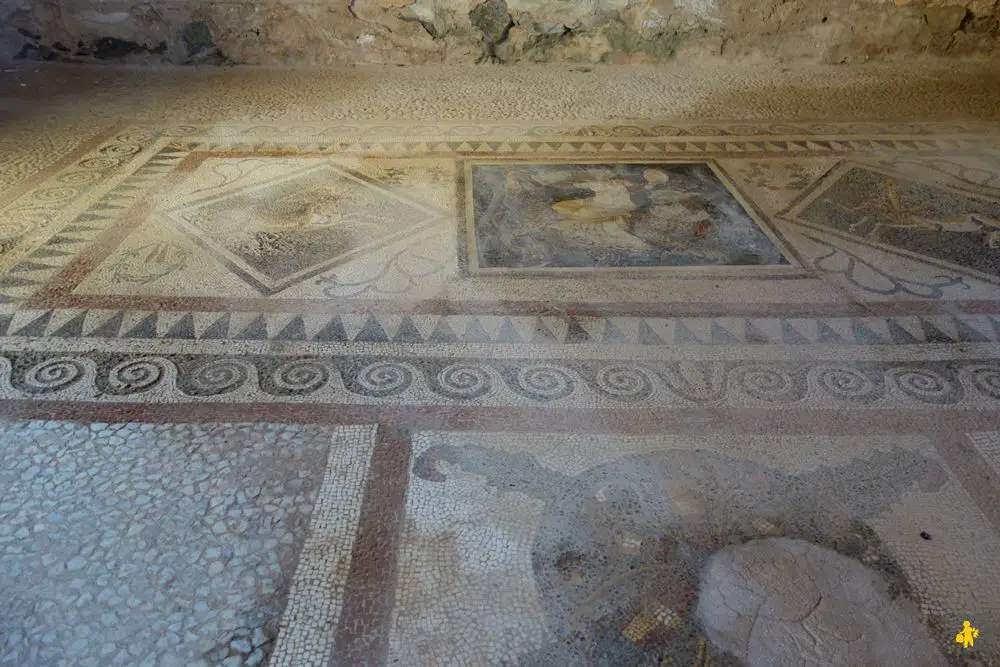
x: 173, y: 544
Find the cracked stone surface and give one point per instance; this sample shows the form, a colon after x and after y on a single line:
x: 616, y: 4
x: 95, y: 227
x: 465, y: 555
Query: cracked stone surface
x: 788, y: 602
x: 142, y: 544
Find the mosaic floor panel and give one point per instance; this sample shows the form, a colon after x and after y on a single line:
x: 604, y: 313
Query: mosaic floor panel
x: 608, y: 216
x: 569, y: 391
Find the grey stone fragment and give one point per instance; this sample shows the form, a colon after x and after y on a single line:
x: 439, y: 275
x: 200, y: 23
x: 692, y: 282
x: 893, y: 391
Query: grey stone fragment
x: 241, y: 645
x: 780, y: 601
x: 259, y: 637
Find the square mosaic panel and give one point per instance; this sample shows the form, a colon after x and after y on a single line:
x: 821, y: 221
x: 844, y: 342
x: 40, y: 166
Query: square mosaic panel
x: 532, y: 216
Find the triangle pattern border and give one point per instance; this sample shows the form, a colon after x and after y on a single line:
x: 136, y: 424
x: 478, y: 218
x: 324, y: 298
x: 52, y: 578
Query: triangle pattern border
x: 496, y: 329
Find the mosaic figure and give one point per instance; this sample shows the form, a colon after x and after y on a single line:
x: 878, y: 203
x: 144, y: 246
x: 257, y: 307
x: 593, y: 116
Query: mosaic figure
x: 318, y: 206
x: 611, y: 216
x: 885, y: 211
x: 928, y: 220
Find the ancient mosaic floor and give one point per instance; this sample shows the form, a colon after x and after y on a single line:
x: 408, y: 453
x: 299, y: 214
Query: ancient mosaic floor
x: 503, y: 393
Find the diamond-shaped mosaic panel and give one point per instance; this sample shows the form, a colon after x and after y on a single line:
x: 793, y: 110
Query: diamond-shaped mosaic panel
x: 285, y: 230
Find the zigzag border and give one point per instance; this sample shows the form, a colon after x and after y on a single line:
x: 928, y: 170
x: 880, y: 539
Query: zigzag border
x: 499, y: 329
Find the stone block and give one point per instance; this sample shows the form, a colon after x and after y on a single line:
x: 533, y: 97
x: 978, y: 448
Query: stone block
x: 429, y: 31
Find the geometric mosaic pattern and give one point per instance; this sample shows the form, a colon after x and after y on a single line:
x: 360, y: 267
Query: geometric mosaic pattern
x: 528, y: 453
x: 289, y: 229
x: 498, y: 329
x: 503, y: 381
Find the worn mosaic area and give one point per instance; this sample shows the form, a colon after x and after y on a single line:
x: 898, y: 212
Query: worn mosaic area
x: 601, y: 548
x: 633, y: 394
x: 610, y: 216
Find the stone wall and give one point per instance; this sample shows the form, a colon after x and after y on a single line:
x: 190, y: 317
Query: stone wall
x: 326, y: 32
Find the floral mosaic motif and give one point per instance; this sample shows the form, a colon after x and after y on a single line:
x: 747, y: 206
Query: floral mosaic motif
x: 969, y: 169
x: 150, y: 262
x: 620, y: 548
x: 226, y: 173
x: 405, y: 270
x: 776, y: 177
x: 610, y: 216
x: 868, y: 276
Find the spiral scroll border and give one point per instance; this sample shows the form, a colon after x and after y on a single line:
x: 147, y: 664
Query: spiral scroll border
x: 933, y: 383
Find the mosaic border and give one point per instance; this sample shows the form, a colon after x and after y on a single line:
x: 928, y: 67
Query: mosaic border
x: 453, y: 380
x: 315, y: 600
x: 362, y: 632
x: 621, y: 130
x: 498, y: 329
x: 652, y: 147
